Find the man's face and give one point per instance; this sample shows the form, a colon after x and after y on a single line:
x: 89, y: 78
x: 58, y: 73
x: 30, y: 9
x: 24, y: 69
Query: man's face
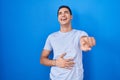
x: 64, y: 16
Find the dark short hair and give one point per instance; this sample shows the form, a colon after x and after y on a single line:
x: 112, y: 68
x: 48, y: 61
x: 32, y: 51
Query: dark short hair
x: 64, y: 6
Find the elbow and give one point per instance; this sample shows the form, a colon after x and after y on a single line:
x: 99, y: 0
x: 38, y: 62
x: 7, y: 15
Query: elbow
x: 41, y: 61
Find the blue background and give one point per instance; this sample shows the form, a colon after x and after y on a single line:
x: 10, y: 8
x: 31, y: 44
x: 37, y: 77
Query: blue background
x: 25, y: 25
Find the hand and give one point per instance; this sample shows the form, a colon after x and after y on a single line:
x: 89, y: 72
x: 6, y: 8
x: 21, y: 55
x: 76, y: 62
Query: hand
x: 86, y: 43
x: 64, y: 63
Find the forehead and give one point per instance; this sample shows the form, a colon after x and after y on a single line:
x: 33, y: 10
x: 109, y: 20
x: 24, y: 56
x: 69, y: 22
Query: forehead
x: 63, y: 9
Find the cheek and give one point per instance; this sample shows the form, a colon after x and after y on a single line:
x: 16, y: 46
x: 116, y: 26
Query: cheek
x: 59, y: 18
x: 70, y: 17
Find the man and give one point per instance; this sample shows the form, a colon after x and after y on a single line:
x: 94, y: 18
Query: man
x: 67, y: 45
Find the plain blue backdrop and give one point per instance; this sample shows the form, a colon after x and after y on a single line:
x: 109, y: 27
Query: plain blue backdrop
x: 25, y: 25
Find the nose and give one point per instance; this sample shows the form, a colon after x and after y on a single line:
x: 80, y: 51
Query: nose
x: 63, y: 14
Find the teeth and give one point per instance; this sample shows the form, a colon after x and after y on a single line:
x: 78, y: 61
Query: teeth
x: 64, y: 19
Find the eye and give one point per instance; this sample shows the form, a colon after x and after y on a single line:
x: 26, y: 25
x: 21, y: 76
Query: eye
x: 66, y: 12
x: 59, y: 13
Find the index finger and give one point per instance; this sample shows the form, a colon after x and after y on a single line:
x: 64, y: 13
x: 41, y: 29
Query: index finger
x: 70, y: 59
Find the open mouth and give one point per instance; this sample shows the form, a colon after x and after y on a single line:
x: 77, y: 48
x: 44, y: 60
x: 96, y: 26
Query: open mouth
x: 64, y: 19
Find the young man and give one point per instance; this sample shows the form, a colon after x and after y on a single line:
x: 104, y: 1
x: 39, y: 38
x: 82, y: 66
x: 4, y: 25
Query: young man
x: 67, y: 45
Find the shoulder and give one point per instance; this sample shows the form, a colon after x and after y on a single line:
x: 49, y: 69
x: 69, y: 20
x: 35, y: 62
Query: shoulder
x: 53, y: 34
x: 79, y: 31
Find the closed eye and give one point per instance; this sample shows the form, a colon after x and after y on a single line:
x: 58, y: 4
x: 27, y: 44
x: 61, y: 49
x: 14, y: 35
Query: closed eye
x: 66, y: 12
x: 60, y: 13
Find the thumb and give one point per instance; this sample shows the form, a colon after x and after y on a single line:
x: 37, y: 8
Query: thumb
x: 62, y: 55
x: 83, y: 40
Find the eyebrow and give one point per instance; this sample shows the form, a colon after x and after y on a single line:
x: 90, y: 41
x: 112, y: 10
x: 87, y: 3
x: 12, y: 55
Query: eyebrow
x: 64, y: 12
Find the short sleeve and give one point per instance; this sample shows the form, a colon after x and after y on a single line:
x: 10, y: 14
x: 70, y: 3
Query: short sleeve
x: 83, y: 33
x: 48, y: 44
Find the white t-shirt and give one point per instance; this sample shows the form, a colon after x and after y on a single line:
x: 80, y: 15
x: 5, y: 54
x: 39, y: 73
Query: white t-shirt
x: 69, y: 43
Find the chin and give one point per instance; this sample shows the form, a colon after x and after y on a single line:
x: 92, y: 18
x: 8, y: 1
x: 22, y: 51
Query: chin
x: 64, y: 23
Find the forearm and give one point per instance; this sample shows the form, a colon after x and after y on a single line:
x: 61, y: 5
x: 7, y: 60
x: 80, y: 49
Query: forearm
x: 47, y: 62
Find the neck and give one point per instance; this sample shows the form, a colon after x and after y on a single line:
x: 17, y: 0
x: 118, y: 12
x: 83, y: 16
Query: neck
x: 65, y: 28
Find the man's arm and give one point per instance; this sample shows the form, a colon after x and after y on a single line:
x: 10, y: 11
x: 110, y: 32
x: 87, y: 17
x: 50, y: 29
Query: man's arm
x: 86, y: 43
x: 45, y: 60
